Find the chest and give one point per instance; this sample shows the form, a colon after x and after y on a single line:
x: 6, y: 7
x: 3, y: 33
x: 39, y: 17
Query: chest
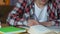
x: 40, y: 11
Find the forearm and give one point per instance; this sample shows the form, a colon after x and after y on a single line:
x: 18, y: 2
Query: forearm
x: 49, y: 23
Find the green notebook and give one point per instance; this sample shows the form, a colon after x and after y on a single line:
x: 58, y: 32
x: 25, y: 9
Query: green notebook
x: 12, y: 29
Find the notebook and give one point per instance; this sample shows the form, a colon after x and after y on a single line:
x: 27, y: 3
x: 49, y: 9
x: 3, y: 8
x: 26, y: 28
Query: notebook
x: 39, y: 29
x: 55, y: 28
x: 12, y: 30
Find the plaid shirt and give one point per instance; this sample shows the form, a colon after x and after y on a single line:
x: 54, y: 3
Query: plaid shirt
x: 24, y: 9
x: 58, y: 4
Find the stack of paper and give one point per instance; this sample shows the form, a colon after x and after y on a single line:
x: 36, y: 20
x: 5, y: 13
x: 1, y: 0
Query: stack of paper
x: 38, y: 29
x: 55, y: 28
x: 12, y: 30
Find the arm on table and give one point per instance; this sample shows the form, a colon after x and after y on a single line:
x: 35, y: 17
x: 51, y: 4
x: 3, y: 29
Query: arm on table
x: 34, y: 22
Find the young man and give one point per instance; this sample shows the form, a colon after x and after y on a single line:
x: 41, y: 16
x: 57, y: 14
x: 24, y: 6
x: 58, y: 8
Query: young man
x: 33, y: 12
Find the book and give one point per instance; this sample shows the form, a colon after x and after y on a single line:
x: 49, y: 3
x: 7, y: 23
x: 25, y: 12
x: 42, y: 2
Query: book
x: 55, y: 28
x: 12, y: 30
x: 39, y: 29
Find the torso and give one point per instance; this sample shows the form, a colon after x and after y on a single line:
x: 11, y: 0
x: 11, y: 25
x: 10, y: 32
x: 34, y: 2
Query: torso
x: 41, y: 13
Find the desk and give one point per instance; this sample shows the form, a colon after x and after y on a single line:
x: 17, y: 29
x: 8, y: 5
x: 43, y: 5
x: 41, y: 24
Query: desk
x: 53, y: 28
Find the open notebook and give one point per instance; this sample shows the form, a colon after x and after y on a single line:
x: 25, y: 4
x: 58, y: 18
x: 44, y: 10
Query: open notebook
x: 12, y: 30
x: 39, y: 29
x: 55, y: 28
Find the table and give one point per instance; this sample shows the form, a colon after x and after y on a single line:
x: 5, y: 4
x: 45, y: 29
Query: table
x: 55, y: 28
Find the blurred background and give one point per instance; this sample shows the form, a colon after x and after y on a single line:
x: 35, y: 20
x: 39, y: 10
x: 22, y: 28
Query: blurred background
x: 5, y: 7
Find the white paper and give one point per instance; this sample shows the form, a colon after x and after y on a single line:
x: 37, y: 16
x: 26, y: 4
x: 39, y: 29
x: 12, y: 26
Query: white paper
x: 38, y: 29
x: 55, y: 28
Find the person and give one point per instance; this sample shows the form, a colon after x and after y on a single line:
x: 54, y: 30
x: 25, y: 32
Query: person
x: 33, y: 12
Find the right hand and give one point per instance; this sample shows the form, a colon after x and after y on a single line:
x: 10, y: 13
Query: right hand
x: 48, y: 24
x: 32, y: 22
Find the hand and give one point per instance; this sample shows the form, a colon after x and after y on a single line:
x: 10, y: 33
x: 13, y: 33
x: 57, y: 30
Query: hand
x: 32, y: 22
x: 47, y: 24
